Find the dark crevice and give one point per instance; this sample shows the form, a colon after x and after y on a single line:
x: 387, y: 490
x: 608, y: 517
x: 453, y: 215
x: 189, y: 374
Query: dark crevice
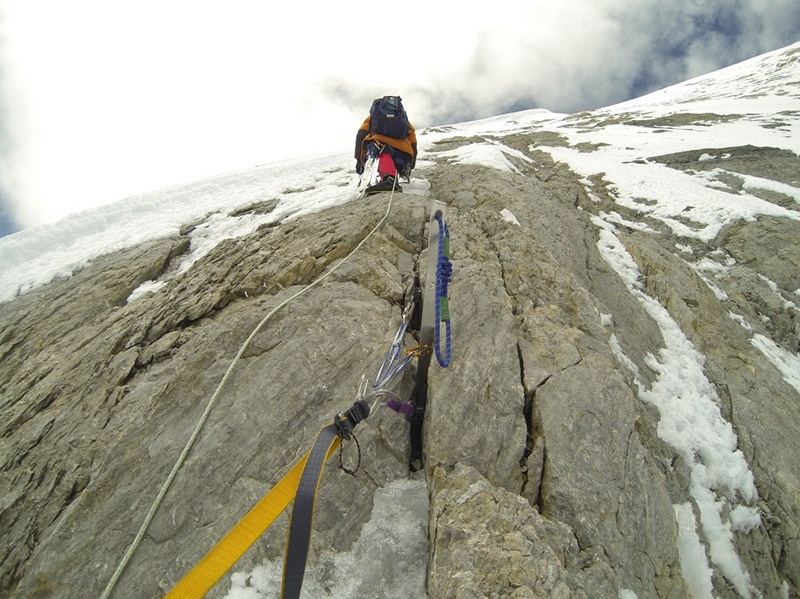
x: 78, y: 486
x: 539, y: 503
x: 179, y: 250
x: 418, y: 392
x: 526, y: 412
x: 532, y: 435
x: 527, y: 397
x: 415, y: 322
x: 532, y: 482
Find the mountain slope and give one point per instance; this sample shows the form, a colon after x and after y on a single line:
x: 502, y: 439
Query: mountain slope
x: 619, y: 419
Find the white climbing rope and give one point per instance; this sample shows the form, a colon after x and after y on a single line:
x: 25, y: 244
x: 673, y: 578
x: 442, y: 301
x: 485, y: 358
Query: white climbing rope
x: 162, y: 493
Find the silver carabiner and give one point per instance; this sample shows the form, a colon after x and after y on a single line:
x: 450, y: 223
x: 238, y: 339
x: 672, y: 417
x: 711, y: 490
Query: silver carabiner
x: 408, y: 310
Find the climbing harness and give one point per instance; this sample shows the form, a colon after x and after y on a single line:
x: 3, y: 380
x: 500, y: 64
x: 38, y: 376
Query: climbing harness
x: 301, y: 483
x: 370, y: 179
x: 370, y: 169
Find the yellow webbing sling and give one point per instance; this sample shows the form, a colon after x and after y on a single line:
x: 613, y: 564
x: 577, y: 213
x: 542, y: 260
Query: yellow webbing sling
x: 233, y: 545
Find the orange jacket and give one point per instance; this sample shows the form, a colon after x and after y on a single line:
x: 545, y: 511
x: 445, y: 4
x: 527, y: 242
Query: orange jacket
x: 407, y: 145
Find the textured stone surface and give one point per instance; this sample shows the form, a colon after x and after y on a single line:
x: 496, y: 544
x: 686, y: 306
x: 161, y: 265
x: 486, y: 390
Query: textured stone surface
x: 103, y: 396
x: 489, y: 542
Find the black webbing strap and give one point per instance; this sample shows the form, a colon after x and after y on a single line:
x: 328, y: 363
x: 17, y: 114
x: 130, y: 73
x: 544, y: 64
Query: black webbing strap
x: 302, y: 518
x: 419, y: 396
x: 419, y: 399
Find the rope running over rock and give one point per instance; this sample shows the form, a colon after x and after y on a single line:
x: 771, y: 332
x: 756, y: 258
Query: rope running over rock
x: 182, y: 458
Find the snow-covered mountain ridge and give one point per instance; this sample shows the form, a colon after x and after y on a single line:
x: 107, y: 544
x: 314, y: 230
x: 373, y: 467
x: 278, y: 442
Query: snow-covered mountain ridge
x: 620, y: 417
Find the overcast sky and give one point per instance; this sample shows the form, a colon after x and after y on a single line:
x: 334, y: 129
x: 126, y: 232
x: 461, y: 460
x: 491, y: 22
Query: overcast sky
x: 104, y: 99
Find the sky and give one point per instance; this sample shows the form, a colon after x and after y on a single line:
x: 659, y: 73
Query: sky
x: 101, y: 100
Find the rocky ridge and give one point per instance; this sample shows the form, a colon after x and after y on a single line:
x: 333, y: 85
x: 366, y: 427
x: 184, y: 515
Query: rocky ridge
x: 546, y: 470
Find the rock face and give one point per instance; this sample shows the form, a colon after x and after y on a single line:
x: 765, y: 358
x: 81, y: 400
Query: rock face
x: 104, y: 395
x: 541, y: 369
x: 547, y: 472
x: 538, y: 357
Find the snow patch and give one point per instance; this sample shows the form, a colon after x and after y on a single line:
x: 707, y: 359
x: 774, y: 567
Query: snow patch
x: 616, y: 254
x: 744, y: 518
x: 785, y: 361
x: 692, y: 554
x: 388, y: 560
x: 740, y: 321
x: 39, y: 255
x: 615, y: 218
x: 144, y: 289
x: 490, y: 155
x: 623, y: 359
x: 690, y: 421
x: 508, y: 216
x: 758, y: 183
x: 773, y: 286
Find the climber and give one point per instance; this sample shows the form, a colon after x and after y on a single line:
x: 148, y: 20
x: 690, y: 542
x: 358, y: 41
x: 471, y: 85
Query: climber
x: 387, y: 134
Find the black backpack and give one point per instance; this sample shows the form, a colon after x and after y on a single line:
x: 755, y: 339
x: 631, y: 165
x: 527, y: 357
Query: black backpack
x: 389, y: 118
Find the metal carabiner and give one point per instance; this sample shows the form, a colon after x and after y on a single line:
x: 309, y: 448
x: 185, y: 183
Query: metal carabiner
x: 408, y: 310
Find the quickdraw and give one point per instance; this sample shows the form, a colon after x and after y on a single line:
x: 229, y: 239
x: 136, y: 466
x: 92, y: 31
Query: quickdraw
x: 444, y: 274
x: 390, y: 367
